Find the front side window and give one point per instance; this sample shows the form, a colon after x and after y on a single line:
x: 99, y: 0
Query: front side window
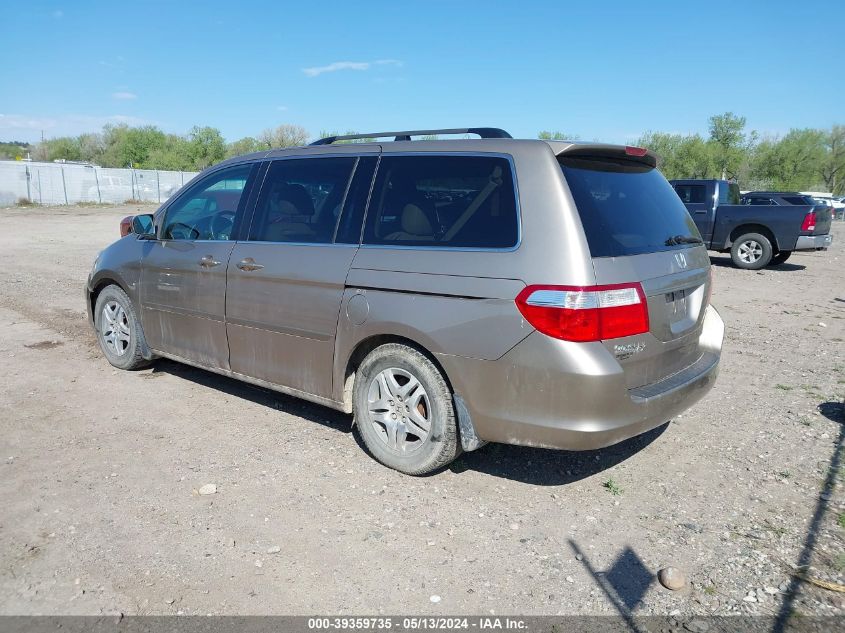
x: 443, y: 201
x: 207, y: 210
x: 301, y: 199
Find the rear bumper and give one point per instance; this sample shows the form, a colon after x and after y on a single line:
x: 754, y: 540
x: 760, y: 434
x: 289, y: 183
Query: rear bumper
x: 813, y: 242
x: 573, y: 396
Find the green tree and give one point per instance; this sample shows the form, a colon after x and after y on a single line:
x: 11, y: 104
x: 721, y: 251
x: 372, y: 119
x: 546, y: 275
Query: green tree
x: 833, y: 165
x: 61, y: 148
x: 91, y: 147
x: 131, y: 146
x: 793, y: 162
x: 728, y: 140
x: 205, y: 147
x: 680, y: 156
x: 174, y: 154
x: 246, y: 145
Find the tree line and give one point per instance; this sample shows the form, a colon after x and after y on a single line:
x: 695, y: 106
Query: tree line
x: 148, y: 147
x: 806, y: 159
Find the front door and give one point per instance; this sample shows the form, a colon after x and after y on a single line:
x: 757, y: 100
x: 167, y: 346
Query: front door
x: 699, y: 207
x: 286, y: 281
x: 183, y: 272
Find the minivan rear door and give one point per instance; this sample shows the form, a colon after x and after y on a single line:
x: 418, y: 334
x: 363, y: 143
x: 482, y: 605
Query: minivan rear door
x: 638, y: 230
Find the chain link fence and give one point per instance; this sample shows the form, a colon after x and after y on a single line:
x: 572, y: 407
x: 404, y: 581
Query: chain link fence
x: 65, y: 183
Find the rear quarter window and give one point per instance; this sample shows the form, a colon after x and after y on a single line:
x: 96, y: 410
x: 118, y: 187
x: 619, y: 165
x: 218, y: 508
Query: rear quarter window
x: 626, y: 207
x: 443, y: 201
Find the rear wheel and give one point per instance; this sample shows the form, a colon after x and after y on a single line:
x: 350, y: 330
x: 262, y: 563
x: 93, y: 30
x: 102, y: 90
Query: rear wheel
x: 751, y: 251
x: 119, y: 332
x: 404, y: 410
x: 781, y: 257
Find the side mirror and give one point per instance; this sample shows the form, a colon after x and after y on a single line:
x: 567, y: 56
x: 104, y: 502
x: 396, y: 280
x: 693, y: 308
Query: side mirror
x: 143, y: 227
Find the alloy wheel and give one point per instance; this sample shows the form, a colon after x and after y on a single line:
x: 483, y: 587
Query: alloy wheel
x: 399, y: 409
x: 115, y: 331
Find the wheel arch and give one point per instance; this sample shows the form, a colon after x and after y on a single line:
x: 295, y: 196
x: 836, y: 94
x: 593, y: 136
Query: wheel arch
x: 752, y: 228
x: 366, y: 345
x: 102, y: 281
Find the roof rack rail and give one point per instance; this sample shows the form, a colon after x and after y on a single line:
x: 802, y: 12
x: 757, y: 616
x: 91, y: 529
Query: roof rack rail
x: 483, y: 132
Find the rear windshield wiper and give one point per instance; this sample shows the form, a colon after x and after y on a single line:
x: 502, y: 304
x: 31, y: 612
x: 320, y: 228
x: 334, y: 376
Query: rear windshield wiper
x: 683, y: 239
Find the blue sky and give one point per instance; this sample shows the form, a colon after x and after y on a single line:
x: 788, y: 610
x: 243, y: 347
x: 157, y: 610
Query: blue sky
x: 600, y: 70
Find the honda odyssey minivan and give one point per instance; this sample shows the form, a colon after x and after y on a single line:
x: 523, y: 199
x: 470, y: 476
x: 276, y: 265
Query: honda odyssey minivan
x: 447, y: 293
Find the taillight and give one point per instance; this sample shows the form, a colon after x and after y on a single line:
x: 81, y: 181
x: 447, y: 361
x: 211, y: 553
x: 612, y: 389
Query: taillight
x: 630, y: 150
x: 126, y: 226
x: 809, y: 223
x: 585, y: 313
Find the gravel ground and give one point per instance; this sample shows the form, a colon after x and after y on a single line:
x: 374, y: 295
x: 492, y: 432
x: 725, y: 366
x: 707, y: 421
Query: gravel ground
x: 101, y: 472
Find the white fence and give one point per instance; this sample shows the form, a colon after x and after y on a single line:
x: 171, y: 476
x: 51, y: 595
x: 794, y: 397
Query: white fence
x: 63, y: 183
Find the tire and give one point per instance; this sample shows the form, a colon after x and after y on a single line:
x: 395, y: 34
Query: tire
x: 751, y: 251
x: 780, y: 258
x: 120, y: 335
x: 398, y: 392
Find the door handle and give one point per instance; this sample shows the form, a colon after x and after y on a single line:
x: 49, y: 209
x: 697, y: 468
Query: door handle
x: 248, y: 264
x: 208, y: 262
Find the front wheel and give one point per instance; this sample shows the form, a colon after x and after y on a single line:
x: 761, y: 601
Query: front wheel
x: 751, y: 251
x: 404, y: 410
x: 119, y: 331
x: 780, y: 258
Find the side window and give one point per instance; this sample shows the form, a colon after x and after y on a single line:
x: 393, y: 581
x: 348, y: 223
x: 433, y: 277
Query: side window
x: 761, y: 202
x: 442, y: 200
x: 691, y: 194
x: 207, y: 210
x: 301, y: 200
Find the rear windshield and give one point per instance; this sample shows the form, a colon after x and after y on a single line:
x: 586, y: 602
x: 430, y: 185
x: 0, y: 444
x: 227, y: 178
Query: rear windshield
x: 728, y: 193
x: 627, y: 208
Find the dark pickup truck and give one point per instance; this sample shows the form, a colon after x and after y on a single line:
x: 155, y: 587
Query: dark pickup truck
x: 755, y: 236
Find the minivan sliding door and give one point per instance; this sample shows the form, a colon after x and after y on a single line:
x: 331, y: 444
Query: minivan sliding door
x: 286, y: 281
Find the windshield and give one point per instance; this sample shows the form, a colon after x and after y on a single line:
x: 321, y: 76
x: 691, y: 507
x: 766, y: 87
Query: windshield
x: 626, y: 207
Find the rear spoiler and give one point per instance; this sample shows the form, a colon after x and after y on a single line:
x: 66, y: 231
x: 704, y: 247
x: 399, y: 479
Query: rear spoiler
x: 598, y: 150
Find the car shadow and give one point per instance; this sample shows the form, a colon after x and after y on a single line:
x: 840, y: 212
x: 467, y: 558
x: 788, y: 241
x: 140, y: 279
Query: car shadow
x: 539, y: 466
x: 310, y: 411
x: 725, y: 262
x: 550, y: 467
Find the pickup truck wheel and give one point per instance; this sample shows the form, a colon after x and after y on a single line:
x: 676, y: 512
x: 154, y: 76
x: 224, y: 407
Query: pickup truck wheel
x: 781, y: 257
x: 404, y: 410
x: 751, y: 251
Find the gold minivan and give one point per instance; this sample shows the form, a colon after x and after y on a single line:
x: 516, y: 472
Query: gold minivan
x: 448, y: 293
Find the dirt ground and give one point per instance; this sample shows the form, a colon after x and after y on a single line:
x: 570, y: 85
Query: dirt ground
x: 99, y: 473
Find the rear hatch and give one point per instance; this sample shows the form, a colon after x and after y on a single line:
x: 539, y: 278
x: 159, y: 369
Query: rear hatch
x: 638, y: 230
